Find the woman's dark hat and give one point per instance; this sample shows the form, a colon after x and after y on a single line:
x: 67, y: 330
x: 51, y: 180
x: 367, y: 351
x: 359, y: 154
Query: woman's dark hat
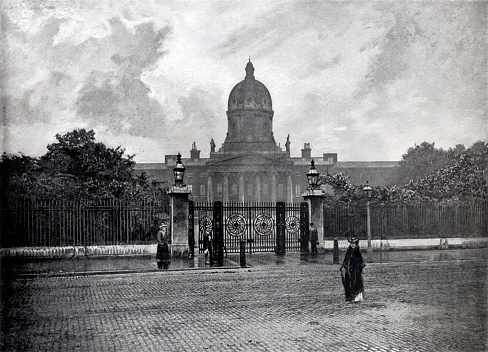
x: 353, y: 240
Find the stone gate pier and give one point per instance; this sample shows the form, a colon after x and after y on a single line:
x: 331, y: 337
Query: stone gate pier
x: 179, y: 209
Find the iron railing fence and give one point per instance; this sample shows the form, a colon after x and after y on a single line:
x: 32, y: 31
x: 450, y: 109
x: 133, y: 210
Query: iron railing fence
x: 407, y: 221
x: 80, y: 223
x: 77, y: 222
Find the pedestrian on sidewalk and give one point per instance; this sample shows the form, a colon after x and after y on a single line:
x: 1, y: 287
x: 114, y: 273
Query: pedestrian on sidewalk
x: 352, y: 272
x: 314, y: 239
x: 162, y: 254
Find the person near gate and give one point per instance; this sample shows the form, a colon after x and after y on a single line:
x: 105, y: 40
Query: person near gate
x: 314, y: 239
x: 352, y: 272
x: 162, y: 254
x: 207, y: 247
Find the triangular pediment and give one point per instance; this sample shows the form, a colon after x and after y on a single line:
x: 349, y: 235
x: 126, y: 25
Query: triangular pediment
x: 251, y: 159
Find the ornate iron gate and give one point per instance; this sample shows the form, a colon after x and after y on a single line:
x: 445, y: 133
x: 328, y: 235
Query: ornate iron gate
x: 265, y: 227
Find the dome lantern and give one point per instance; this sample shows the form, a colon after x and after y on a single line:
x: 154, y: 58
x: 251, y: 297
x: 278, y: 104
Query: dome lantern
x: 249, y: 70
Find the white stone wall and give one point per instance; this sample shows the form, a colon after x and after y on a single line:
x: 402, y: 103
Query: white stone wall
x: 150, y: 249
x: 70, y: 251
x: 421, y: 243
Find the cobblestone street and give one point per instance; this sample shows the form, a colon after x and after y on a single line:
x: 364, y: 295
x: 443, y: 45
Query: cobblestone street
x: 429, y: 305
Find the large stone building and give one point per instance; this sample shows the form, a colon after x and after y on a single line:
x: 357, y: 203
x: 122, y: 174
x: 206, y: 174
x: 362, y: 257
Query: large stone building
x: 250, y: 166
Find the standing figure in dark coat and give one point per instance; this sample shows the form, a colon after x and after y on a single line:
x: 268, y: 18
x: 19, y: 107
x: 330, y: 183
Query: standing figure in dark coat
x: 351, y: 272
x: 162, y: 254
x: 314, y: 239
x: 208, y: 248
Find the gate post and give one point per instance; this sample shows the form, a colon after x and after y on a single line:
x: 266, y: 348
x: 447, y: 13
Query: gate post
x: 304, y: 227
x: 191, y: 231
x: 280, y: 228
x: 315, y: 199
x: 219, y: 232
x: 242, y: 251
x: 336, y: 251
x: 179, y: 220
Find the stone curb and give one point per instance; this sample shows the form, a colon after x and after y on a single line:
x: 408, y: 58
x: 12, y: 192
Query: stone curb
x: 112, y: 272
x: 324, y: 246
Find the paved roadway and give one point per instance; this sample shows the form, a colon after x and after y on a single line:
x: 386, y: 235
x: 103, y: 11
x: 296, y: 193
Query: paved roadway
x: 438, y: 303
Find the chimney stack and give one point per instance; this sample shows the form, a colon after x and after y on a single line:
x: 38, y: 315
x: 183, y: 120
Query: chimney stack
x: 306, y: 151
x: 194, y: 153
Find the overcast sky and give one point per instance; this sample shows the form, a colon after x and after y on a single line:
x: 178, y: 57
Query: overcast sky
x: 364, y: 79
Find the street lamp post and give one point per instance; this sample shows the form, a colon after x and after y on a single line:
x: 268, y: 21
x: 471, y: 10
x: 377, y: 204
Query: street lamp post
x: 368, y: 192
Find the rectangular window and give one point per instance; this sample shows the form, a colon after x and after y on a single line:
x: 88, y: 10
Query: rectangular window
x: 219, y: 188
x: 297, y: 189
x: 202, y: 190
x: 265, y: 189
x: 234, y: 188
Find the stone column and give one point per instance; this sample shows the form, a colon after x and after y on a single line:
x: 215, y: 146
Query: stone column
x: 289, y: 189
x: 258, y: 189
x: 273, y: 188
x: 241, y: 188
x: 225, y: 189
x: 209, y: 189
x: 179, y: 207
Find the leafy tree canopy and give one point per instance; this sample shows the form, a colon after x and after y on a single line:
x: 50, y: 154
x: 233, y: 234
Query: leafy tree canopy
x: 420, y: 161
x: 434, y: 176
x: 75, y: 167
x: 463, y: 179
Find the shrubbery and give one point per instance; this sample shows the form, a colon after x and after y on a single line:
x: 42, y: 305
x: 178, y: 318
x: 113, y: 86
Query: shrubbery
x: 75, y: 167
x: 431, y: 176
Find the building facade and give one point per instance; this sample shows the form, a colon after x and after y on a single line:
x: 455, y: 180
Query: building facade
x: 250, y: 166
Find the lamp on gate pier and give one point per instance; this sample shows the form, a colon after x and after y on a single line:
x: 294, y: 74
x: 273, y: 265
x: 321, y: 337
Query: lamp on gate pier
x: 179, y: 171
x: 179, y: 213
x: 368, y: 192
x: 314, y: 196
x: 312, y: 176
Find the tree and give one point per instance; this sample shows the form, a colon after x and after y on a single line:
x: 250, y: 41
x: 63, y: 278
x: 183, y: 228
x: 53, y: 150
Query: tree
x: 76, y: 167
x: 18, y: 176
x: 86, y: 168
x: 463, y: 180
x: 421, y: 161
x: 458, y: 175
x: 344, y: 191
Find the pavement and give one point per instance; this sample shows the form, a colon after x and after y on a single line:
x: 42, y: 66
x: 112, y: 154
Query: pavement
x: 435, y: 300
x: 94, y: 265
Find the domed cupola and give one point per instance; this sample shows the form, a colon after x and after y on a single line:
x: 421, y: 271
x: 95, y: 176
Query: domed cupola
x: 250, y: 118
x: 250, y: 93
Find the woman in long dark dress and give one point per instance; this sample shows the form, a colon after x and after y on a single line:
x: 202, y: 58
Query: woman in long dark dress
x: 162, y: 254
x: 351, y: 272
